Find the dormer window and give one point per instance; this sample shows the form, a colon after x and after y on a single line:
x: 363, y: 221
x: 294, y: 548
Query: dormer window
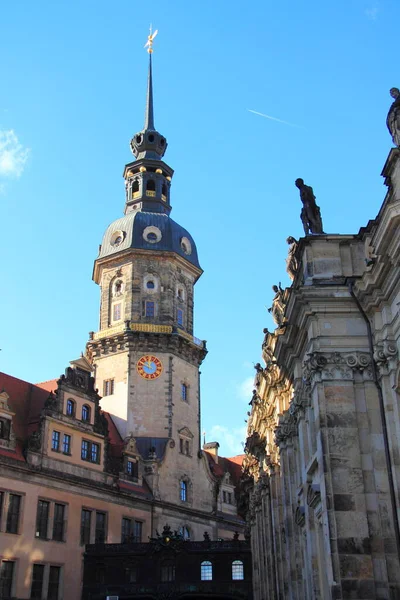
x: 70, y: 408
x: 86, y: 413
x: 5, y: 427
x: 132, y: 469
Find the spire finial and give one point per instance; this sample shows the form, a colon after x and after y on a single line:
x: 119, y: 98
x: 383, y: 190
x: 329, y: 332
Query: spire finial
x: 149, y: 114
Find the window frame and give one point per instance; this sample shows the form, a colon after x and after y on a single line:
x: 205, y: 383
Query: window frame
x: 180, y: 317
x: 10, y: 580
x: 148, y: 311
x: 49, y: 582
x: 237, y: 568
x: 42, y: 519
x: 85, y: 526
x: 87, y: 455
x: 55, y: 437
x: 86, y: 409
x: 58, y: 525
x: 41, y: 581
x: 185, y: 392
x: 67, y: 438
x: 206, y: 570
x: 132, y: 472
x: 5, y: 428
x: 70, y: 412
x: 183, y: 490
x: 102, y: 538
x: 13, y: 518
x: 108, y: 387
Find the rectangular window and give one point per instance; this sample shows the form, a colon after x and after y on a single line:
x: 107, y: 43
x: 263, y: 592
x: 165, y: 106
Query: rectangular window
x: 95, y: 453
x: 6, y: 578
x: 179, y: 316
x: 150, y: 309
x: 137, y: 531
x: 14, y: 505
x: 167, y: 572
x: 86, y: 516
x: 55, y: 441
x: 37, y: 581
x: 117, y: 312
x: 1, y: 508
x: 85, y: 450
x: 67, y: 444
x: 131, y: 574
x: 42, y: 519
x: 224, y: 496
x: 183, y: 491
x: 58, y: 522
x: 108, y: 387
x: 229, y: 498
x: 126, y: 533
x: 100, y: 535
x: 54, y: 583
x: 187, y: 448
x: 184, y: 392
x: 132, y: 469
x: 5, y: 427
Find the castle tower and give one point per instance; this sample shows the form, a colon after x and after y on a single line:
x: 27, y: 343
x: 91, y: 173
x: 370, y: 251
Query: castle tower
x: 145, y: 356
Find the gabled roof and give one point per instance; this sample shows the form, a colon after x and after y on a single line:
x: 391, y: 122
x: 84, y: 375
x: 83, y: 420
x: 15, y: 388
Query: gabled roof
x: 232, y: 465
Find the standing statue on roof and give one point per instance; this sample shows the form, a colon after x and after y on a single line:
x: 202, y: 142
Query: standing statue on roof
x: 393, y: 118
x: 278, y: 305
x: 310, y: 213
x: 292, y: 261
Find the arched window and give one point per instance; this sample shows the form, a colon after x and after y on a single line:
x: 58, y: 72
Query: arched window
x: 206, y: 570
x: 150, y: 285
x: 151, y: 185
x: 183, y: 491
x: 164, y: 190
x: 237, y: 570
x: 135, y: 186
x: 70, y: 408
x: 86, y: 413
x: 184, y: 532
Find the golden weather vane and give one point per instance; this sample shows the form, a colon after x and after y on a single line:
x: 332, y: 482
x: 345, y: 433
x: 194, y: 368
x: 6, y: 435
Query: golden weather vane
x: 150, y: 40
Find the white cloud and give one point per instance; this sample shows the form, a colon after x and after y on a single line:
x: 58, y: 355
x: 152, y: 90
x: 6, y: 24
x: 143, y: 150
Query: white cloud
x: 231, y: 440
x: 244, y: 389
x: 372, y: 12
x: 13, y: 155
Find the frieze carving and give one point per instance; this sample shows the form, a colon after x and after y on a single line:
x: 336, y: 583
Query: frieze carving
x: 300, y: 516
x: 313, y: 495
x: 336, y: 365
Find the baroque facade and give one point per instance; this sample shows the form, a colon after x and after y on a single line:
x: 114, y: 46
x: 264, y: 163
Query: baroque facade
x: 111, y: 452
x: 321, y: 479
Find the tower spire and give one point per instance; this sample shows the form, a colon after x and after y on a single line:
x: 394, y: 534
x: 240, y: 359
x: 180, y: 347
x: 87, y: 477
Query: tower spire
x: 149, y: 113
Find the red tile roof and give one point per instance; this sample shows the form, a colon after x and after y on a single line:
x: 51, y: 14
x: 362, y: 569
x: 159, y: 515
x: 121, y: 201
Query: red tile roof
x: 231, y: 465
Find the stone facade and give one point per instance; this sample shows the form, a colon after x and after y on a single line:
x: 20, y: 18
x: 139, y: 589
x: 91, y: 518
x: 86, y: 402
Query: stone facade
x: 321, y: 476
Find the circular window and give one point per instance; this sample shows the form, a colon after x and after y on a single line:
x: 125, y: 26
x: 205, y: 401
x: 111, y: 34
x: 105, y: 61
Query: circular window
x: 186, y: 246
x: 117, y: 238
x: 150, y: 285
x: 152, y: 234
x: 151, y: 138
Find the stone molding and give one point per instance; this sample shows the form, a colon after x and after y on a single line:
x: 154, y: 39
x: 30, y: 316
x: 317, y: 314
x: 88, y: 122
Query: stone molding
x: 386, y: 355
x: 313, y: 495
x: 320, y: 366
x: 300, y: 516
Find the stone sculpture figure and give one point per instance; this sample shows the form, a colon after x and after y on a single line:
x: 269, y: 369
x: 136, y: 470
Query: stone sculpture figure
x: 393, y: 118
x: 292, y: 263
x: 310, y: 213
x: 278, y: 306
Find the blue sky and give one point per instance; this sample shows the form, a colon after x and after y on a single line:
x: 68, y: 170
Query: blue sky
x: 72, y: 95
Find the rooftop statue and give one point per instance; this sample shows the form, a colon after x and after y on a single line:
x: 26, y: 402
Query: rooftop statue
x: 393, y: 118
x: 278, y: 306
x: 292, y: 262
x: 310, y: 213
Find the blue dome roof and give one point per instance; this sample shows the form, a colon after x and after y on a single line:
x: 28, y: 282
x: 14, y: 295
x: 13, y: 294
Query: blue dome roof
x: 131, y: 228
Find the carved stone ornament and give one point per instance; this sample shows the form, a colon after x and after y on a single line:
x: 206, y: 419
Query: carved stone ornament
x: 300, y: 516
x: 384, y: 353
x: 336, y: 365
x: 286, y: 429
x: 79, y: 379
x: 313, y: 495
x: 130, y: 446
x: 35, y: 440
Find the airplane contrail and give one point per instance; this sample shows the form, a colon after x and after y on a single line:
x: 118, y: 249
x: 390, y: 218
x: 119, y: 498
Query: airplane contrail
x: 274, y: 118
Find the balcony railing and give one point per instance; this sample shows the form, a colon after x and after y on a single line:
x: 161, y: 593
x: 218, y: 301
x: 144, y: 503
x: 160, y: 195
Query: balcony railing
x: 146, y: 327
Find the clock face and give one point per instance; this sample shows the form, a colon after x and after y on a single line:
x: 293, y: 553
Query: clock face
x: 149, y: 367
